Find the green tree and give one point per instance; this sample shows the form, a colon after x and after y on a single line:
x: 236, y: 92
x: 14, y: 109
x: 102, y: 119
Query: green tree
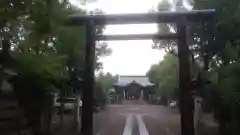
x: 40, y: 69
x: 217, y: 45
x: 215, y: 53
x: 165, y: 28
x: 46, y: 54
x: 165, y: 75
x: 105, y: 81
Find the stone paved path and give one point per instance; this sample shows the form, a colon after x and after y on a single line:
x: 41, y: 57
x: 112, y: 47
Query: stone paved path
x: 134, y: 117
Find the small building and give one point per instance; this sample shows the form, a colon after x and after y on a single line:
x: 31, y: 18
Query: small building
x: 129, y: 87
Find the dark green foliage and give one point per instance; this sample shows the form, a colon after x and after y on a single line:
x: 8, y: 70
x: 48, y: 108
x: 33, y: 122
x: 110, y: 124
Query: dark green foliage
x: 218, y: 44
x: 105, y: 84
x: 46, y: 55
x: 215, y: 57
x: 100, y: 95
x: 106, y: 80
x: 165, y: 75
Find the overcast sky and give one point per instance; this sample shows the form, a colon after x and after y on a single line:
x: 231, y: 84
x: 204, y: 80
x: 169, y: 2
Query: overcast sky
x: 128, y: 57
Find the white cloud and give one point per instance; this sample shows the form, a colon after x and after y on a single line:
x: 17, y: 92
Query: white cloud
x: 131, y: 29
x: 131, y: 57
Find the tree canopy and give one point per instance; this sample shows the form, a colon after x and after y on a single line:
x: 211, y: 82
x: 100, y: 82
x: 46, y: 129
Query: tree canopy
x: 165, y: 75
x: 46, y: 55
x: 214, y: 47
x: 106, y: 80
x: 34, y: 35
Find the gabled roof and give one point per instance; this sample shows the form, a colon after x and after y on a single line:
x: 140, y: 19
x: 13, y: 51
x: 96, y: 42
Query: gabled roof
x: 125, y: 80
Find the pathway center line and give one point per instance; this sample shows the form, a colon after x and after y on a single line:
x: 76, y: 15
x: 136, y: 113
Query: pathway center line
x: 128, y: 125
x: 141, y: 126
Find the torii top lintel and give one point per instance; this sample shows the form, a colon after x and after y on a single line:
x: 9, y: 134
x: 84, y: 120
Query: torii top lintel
x: 138, y: 18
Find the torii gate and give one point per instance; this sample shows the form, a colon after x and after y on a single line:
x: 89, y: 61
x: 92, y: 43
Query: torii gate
x: 180, y: 18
